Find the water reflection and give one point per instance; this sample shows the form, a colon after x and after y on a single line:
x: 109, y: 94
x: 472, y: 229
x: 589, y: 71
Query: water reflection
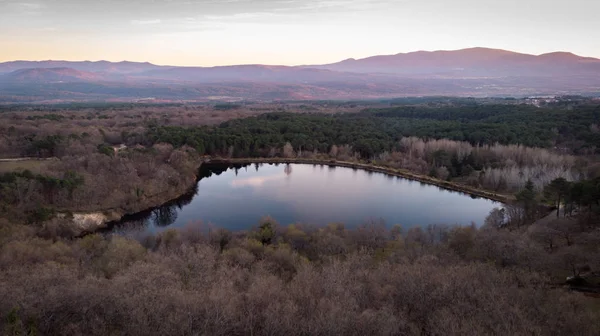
x: 161, y: 216
x: 164, y: 216
x: 257, y: 181
x: 288, y: 169
x: 236, y: 198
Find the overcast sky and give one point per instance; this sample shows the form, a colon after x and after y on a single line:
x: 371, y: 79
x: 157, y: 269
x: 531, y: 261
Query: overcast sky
x: 220, y: 32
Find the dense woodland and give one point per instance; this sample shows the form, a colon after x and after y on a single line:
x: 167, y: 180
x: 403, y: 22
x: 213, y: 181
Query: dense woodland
x: 507, y: 277
x: 374, y: 131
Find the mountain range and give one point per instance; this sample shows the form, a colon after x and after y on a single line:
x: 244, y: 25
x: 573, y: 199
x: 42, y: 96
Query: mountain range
x: 466, y: 72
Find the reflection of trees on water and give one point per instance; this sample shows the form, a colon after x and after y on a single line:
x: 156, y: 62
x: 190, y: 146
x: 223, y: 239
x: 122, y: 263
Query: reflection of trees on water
x: 210, y: 169
x: 288, y: 169
x: 164, y: 215
x: 187, y: 198
x: 167, y: 214
x: 128, y: 225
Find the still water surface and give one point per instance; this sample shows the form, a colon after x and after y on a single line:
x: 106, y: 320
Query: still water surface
x: 237, y: 197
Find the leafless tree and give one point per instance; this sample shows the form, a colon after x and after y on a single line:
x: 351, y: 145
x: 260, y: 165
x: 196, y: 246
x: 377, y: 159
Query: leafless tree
x: 288, y: 150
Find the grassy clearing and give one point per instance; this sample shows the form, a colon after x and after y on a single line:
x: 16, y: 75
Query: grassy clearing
x: 34, y: 165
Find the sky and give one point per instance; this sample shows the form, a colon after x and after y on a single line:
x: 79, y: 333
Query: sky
x: 287, y: 32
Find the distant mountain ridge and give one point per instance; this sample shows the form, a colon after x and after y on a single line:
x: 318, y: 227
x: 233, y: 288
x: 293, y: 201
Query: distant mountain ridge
x: 45, y: 75
x: 441, y: 59
x: 478, y: 62
x: 123, y: 67
x: 473, y: 72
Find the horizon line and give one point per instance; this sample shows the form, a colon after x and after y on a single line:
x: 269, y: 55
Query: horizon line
x: 298, y: 65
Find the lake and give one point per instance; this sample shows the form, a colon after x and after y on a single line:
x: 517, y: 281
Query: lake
x: 236, y: 197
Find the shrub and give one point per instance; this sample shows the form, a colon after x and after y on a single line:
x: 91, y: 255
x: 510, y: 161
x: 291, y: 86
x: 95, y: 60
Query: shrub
x: 119, y: 254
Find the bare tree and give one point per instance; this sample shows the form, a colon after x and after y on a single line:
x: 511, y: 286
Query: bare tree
x: 288, y: 150
x: 333, y: 152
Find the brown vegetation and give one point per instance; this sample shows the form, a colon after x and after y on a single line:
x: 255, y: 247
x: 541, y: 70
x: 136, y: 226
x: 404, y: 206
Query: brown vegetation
x: 294, y: 280
x: 127, y: 182
x: 82, y: 130
x: 504, y: 167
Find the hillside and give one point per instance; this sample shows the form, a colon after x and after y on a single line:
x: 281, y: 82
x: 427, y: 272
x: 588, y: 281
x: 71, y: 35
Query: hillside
x: 100, y: 66
x: 49, y: 75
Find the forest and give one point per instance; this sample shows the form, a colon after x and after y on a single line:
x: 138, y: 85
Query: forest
x: 533, y: 268
x: 374, y: 131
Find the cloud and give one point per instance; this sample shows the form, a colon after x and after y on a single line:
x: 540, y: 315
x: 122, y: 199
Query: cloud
x: 145, y: 22
x: 30, y: 6
x: 25, y: 8
x: 337, y: 6
x: 239, y: 16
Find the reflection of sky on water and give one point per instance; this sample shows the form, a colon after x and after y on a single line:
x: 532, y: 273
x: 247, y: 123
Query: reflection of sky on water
x: 314, y: 194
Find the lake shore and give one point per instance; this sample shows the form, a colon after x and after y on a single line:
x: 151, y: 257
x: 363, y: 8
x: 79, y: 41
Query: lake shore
x: 92, y: 220
x: 89, y: 220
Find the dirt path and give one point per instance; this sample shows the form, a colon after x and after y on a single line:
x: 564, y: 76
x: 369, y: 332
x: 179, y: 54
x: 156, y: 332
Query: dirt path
x: 27, y: 159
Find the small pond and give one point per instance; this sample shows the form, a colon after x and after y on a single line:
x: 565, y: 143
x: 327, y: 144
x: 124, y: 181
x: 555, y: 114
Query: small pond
x: 236, y: 197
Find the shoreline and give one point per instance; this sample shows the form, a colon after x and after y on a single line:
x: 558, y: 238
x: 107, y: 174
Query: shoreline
x: 87, y: 221
x: 103, y: 218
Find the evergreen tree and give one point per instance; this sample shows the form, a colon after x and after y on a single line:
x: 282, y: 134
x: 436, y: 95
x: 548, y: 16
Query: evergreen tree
x: 556, y: 191
x: 527, y: 199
